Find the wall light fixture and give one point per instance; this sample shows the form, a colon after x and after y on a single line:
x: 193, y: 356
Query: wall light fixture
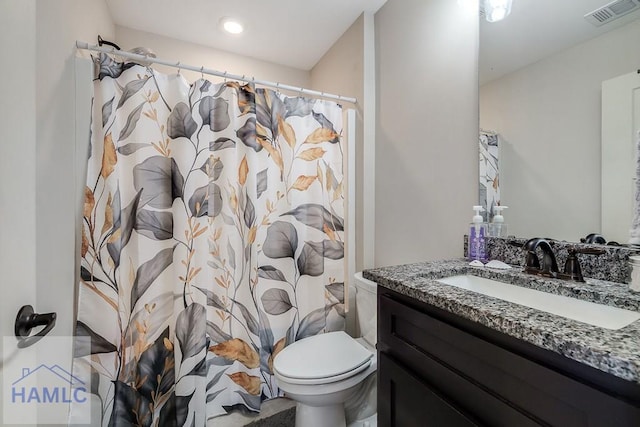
x: 496, y: 10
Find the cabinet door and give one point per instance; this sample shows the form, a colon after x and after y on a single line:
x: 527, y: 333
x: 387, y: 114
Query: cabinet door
x: 499, y: 387
x: 406, y: 401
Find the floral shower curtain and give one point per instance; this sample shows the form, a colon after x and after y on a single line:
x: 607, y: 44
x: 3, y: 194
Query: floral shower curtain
x: 489, y: 189
x: 213, y: 236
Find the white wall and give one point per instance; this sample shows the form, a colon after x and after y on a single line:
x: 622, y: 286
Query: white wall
x: 37, y: 128
x: 548, y: 115
x: 58, y: 24
x: 18, y: 169
x: 200, y: 55
x: 427, y: 133
x: 17, y: 165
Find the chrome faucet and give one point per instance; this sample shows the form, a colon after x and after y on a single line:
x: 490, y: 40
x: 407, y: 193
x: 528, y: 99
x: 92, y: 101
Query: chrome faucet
x: 549, y: 266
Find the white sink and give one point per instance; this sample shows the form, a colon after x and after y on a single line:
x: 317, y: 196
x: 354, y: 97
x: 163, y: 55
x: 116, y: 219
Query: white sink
x: 600, y: 315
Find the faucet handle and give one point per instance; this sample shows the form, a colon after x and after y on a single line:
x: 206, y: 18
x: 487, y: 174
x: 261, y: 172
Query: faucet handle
x: 594, y: 238
x: 572, y: 267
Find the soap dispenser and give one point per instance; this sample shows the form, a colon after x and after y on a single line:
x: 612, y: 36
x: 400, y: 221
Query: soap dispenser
x: 498, y: 228
x: 477, y: 234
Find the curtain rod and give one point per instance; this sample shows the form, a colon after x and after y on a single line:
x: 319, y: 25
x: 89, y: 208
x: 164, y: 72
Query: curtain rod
x: 202, y: 70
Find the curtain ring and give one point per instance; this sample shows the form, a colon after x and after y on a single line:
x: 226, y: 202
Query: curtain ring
x: 115, y: 54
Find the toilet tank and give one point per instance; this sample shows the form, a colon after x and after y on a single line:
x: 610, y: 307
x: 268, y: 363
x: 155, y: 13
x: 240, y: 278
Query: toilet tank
x: 366, y: 308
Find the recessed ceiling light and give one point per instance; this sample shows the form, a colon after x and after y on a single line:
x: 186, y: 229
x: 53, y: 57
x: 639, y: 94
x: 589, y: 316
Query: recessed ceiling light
x: 231, y: 26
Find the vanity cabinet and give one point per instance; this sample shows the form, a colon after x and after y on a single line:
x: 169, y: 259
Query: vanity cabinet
x: 439, y: 369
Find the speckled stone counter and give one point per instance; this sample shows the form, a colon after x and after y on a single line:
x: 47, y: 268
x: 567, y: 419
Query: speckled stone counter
x: 612, y: 265
x: 614, y: 351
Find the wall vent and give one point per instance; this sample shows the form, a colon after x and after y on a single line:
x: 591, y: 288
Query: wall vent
x: 611, y: 11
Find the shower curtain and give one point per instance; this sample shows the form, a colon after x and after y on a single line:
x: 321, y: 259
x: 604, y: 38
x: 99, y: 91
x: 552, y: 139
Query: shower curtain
x: 213, y: 237
x: 489, y: 188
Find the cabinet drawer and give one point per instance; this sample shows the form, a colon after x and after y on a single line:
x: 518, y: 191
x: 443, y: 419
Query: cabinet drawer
x: 420, y: 341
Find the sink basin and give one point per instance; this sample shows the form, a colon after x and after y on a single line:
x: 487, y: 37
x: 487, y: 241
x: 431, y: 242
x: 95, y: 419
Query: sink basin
x: 588, y: 312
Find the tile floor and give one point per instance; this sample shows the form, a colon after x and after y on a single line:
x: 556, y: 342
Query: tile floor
x: 280, y: 412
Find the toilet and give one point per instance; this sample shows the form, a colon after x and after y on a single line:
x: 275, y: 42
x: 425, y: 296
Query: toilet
x: 324, y: 372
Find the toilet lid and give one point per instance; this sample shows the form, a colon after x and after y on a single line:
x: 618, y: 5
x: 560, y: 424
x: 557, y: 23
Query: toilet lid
x: 322, y: 356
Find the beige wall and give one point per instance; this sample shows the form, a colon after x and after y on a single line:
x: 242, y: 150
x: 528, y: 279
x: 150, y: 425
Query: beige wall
x: 58, y: 24
x: 427, y: 132
x: 340, y: 71
x: 200, y: 55
x: 548, y: 115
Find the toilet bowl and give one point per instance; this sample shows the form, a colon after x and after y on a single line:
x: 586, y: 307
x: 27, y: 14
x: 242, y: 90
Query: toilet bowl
x: 323, y: 372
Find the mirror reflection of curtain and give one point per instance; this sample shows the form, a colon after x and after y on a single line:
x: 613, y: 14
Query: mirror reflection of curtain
x: 634, y: 233
x: 212, y: 238
x: 489, y: 191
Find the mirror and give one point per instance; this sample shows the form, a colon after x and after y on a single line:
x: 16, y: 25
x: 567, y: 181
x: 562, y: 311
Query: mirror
x: 541, y: 72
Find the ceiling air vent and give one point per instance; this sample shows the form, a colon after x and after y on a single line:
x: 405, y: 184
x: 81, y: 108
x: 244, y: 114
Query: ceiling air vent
x: 612, y: 11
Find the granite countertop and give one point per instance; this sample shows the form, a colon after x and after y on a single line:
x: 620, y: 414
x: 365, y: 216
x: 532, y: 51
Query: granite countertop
x: 614, y: 351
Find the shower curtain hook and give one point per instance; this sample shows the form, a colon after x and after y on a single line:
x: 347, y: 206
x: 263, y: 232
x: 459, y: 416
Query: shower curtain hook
x: 277, y: 87
x: 202, y: 72
x: 225, y: 77
x: 178, y: 65
x: 300, y: 89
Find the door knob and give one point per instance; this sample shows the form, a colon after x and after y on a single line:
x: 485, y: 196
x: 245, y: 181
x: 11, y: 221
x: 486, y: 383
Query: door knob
x: 26, y: 320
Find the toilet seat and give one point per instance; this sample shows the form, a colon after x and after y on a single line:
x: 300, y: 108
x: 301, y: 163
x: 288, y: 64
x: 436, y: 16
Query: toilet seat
x: 322, y: 359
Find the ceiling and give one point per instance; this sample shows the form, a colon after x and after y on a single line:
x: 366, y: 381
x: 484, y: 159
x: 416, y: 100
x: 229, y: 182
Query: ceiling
x: 536, y: 29
x: 296, y: 33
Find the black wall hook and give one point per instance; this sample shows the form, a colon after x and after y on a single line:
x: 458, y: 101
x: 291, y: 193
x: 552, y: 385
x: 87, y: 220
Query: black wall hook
x: 26, y: 320
x: 102, y: 41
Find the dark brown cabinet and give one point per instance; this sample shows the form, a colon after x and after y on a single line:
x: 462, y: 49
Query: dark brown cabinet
x: 438, y: 369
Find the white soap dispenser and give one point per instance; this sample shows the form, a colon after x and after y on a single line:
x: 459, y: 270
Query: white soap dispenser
x: 498, y: 228
x: 477, y: 234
